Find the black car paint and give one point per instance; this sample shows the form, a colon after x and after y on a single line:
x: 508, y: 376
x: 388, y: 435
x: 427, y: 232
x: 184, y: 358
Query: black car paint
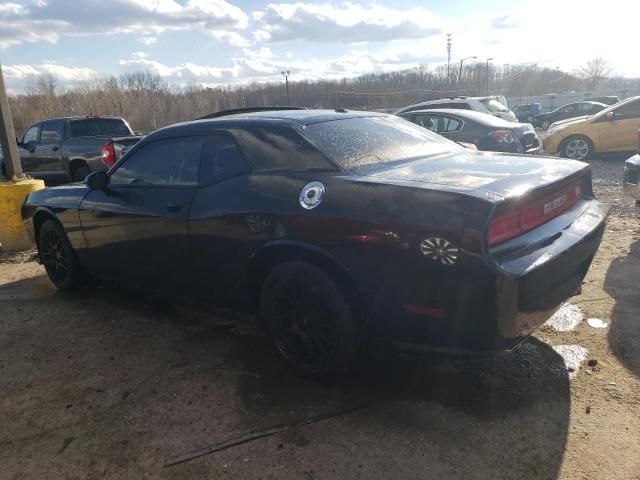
x: 476, y: 128
x: 55, y: 161
x: 560, y: 113
x: 366, y: 232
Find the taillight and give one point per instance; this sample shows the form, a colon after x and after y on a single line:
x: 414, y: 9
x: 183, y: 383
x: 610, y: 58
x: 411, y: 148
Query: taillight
x: 512, y: 224
x: 503, y: 136
x: 108, y: 154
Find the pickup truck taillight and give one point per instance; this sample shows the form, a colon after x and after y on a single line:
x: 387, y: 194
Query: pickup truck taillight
x: 512, y: 224
x: 108, y: 154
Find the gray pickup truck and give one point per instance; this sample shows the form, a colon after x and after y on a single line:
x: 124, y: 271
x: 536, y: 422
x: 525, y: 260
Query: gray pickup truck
x: 67, y: 149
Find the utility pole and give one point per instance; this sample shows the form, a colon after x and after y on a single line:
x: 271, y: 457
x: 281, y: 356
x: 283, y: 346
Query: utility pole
x: 448, y: 58
x: 285, y: 74
x: 8, y: 135
x: 488, y: 60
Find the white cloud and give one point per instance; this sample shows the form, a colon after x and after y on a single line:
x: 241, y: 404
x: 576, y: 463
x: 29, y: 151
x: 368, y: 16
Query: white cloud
x: 48, y: 21
x: 61, y: 72
x: 147, y: 40
x: 349, y: 23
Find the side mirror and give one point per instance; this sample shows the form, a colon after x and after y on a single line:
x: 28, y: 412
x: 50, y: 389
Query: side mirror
x: 18, y: 142
x: 97, y: 180
x: 612, y: 115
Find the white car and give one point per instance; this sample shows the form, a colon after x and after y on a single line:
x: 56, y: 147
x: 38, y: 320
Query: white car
x: 488, y: 105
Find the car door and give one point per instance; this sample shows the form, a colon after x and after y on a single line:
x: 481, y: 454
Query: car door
x: 136, y: 229
x: 28, y: 145
x: 222, y: 229
x: 48, y: 152
x: 618, y: 128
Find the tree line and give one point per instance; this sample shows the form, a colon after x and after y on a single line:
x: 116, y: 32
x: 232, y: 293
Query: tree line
x: 148, y: 102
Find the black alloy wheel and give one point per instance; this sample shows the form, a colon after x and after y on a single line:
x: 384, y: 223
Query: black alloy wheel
x: 57, y: 256
x: 309, y: 320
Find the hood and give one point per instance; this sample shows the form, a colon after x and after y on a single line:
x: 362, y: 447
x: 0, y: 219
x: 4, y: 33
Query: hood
x: 506, y: 175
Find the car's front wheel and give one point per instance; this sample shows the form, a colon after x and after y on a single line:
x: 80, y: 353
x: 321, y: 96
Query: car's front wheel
x: 545, y: 124
x: 58, y: 257
x: 577, y: 147
x: 309, y: 319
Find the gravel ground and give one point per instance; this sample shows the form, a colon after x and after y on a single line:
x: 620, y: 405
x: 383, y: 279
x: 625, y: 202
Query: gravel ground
x: 105, y: 383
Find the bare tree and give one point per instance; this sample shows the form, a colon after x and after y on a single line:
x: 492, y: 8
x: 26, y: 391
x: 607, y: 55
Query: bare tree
x: 594, y: 72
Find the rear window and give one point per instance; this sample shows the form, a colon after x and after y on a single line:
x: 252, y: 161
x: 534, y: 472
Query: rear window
x: 494, y: 106
x: 98, y: 127
x: 358, y: 142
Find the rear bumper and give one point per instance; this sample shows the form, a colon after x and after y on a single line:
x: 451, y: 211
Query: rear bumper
x: 533, y: 282
x: 496, y: 303
x: 631, y: 180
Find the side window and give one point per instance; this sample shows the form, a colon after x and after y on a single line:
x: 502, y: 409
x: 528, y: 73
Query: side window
x: 570, y: 108
x: 450, y: 124
x: 172, y: 161
x: 52, y: 132
x: 222, y: 159
x: 32, y: 135
x: 427, y: 121
x: 630, y: 110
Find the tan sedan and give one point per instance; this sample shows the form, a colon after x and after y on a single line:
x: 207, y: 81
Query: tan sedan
x: 614, y: 129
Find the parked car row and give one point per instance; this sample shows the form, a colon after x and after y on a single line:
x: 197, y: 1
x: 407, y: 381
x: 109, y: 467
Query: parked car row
x: 333, y: 227
x: 67, y: 149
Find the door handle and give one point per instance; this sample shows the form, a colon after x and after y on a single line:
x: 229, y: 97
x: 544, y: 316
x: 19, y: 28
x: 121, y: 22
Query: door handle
x: 174, y: 205
x: 55, y: 148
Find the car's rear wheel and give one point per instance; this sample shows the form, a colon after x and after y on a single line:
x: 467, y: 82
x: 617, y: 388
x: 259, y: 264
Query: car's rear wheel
x: 529, y: 118
x: 309, y: 319
x: 58, y: 257
x: 577, y: 147
x: 545, y: 124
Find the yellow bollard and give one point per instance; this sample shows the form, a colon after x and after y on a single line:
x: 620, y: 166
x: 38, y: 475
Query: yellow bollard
x: 12, y: 194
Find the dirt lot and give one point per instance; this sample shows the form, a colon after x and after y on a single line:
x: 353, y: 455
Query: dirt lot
x: 105, y: 383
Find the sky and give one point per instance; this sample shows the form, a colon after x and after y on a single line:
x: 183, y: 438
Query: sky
x: 230, y: 42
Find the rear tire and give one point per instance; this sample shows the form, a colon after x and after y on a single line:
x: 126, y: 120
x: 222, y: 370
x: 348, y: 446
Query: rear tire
x: 577, y: 147
x: 545, y: 125
x: 309, y: 319
x: 58, y: 257
x: 80, y: 173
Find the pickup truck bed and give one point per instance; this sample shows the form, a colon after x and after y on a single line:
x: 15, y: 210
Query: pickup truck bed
x: 67, y: 149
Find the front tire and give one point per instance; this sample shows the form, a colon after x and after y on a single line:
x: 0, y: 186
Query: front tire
x: 58, y: 257
x: 545, y: 125
x: 309, y: 319
x: 577, y: 147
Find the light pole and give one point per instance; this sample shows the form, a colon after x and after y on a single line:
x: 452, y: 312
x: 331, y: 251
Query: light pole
x: 461, y: 62
x: 488, y: 60
x: 8, y: 136
x: 285, y: 74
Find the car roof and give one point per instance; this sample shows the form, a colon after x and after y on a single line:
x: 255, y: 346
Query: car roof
x: 478, y: 117
x: 297, y: 118
x: 79, y: 117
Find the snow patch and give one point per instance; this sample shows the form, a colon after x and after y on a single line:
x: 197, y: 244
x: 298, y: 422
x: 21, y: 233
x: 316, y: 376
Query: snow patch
x: 567, y: 318
x: 573, y: 356
x: 597, y: 323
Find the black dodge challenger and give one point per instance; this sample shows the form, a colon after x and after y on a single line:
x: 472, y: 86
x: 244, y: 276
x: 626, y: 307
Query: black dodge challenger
x: 332, y: 226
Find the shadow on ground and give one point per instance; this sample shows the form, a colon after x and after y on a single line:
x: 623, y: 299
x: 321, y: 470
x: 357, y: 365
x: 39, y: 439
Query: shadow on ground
x: 106, y: 382
x: 621, y: 283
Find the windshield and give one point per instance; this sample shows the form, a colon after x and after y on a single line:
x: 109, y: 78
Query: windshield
x: 358, y: 142
x: 494, y: 106
x: 99, y: 127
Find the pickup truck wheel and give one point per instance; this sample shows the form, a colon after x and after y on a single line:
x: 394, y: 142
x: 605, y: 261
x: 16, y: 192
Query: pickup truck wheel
x: 577, y: 147
x: 58, y: 256
x: 80, y: 173
x: 309, y: 320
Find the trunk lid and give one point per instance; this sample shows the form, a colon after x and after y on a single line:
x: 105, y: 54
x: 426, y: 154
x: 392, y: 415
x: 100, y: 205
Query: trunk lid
x: 505, y: 175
